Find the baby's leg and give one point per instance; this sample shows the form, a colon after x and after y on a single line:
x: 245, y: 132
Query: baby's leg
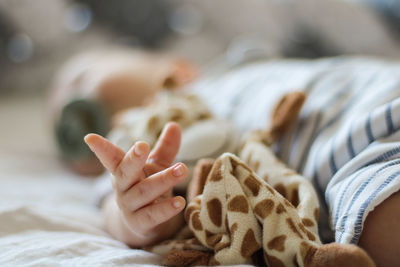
x: 365, y: 207
x: 381, y: 234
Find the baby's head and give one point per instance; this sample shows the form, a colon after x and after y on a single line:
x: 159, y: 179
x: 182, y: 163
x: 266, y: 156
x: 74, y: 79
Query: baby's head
x: 95, y: 85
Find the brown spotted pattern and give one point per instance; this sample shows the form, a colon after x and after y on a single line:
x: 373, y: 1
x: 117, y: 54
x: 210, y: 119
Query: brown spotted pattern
x: 253, y: 184
x: 307, y: 222
x: 295, y: 197
x: 316, y: 214
x: 233, y: 230
x: 249, y: 244
x: 310, y: 236
x: 189, y: 212
x: 287, y: 203
x: 238, y: 204
x: 216, y: 170
x: 292, y: 227
x: 264, y: 208
x: 196, y: 221
x: 280, y: 209
x: 273, y: 261
x: 240, y: 212
x: 281, y: 189
x: 236, y: 164
x: 270, y: 189
x: 214, y: 208
x: 277, y: 243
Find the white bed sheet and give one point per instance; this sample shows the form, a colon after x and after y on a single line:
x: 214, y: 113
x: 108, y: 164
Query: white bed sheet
x: 48, y: 216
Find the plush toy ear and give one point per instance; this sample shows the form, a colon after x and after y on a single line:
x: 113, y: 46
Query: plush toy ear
x: 187, y: 258
x: 200, y: 173
x: 286, y: 112
x: 334, y: 254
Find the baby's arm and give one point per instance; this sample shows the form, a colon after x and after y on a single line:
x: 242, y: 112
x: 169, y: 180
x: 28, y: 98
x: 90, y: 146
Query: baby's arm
x: 142, y: 209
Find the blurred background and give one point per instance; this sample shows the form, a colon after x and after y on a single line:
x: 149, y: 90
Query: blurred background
x: 37, y: 37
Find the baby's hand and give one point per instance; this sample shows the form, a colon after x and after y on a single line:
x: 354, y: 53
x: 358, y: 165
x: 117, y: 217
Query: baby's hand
x: 143, y: 182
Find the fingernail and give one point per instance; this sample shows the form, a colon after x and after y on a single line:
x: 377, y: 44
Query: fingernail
x: 178, y: 170
x: 176, y: 203
x: 138, y: 151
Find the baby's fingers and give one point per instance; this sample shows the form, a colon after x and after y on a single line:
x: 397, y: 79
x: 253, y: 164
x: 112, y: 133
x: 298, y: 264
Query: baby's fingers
x: 130, y: 170
x: 127, y: 168
x: 147, y: 218
x: 109, y: 154
x: 149, y: 189
x: 165, y: 150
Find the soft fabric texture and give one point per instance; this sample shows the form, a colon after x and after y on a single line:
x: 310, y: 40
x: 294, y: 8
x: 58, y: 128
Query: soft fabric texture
x: 237, y: 213
x: 32, y: 182
x: 146, y: 123
x: 347, y: 138
x: 203, y: 135
x: 49, y: 218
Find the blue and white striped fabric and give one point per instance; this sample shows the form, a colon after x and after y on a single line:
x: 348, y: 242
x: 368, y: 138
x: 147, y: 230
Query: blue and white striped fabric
x: 347, y: 141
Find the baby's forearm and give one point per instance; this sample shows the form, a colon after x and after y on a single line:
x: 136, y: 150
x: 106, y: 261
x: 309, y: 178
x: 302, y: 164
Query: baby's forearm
x: 116, y: 226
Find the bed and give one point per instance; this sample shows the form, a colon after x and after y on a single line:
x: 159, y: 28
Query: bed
x: 49, y: 217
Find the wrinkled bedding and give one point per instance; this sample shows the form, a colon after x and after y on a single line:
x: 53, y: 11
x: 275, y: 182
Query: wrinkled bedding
x: 49, y: 217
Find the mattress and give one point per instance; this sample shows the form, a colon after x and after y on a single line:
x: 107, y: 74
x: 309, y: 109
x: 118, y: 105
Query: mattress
x: 49, y: 216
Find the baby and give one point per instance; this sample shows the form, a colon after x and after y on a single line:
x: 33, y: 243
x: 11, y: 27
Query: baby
x: 143, y: 211
x: 346, y: 143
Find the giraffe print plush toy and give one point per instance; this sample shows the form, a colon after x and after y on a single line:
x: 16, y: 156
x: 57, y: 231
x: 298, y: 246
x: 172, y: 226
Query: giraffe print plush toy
x: 253, y: 209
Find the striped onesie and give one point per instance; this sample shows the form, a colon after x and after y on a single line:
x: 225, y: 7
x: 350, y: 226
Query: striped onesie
x: 347, y: 140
